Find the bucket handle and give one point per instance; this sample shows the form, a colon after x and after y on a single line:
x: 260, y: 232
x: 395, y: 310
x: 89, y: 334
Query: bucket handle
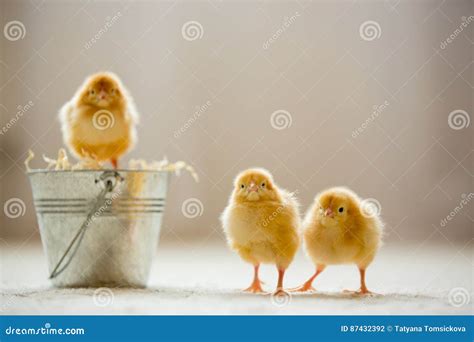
x: 108, y: 180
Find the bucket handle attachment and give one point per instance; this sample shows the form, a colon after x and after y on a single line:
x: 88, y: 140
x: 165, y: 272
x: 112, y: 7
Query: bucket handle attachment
x: 108, y: 181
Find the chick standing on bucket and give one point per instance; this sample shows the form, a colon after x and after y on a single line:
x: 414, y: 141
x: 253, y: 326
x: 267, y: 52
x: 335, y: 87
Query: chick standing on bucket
x: 261, y: 223
x: 99, y: 121
x: 340, y: 229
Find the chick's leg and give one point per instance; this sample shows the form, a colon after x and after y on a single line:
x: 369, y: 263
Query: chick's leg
x: 114, y: 162
x: 308, y: 285
x: 279, y: 289
x: 256, y: 286
x: 363, y: 288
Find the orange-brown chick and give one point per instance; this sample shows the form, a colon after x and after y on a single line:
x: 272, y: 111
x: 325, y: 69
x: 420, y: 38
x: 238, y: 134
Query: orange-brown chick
x: 99, y: 121
x: 261, y: 223
x: 339, y: 229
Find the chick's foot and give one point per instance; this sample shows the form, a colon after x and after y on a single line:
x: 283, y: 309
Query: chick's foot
x: 306, y: 287
x: 280, y: 292
x: 361, y: 292
x: 256, y: 287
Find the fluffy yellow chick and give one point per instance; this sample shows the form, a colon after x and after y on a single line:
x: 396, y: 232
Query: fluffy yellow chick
x: 261, y: 223
x: 99, y: 121
x: 339, y: 229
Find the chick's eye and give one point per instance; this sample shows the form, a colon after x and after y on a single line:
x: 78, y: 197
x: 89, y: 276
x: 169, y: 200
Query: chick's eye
x: 92, y: 91
x: 242, y: 186
x: 341, y: 209
x: 263, y: 184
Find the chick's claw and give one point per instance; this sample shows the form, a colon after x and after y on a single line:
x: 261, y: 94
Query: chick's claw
x: 306, y: 287
x: 256, y: 287
x: 361, y: 292
x: 281, y: 292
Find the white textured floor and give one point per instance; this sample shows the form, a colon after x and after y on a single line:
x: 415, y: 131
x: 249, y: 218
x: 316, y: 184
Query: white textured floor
x: 206, y: 279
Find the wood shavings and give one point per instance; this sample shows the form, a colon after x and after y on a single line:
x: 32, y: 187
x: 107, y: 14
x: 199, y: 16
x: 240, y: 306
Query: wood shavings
x: 163, y: 165
x: 138, y: 164
x: 62, y: 163
x: 31, y: 155
x: 90, y: 163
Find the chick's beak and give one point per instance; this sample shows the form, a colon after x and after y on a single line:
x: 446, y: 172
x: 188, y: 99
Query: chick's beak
x: 102, y: 94
x: 253, y: 187
x: 329, y: 212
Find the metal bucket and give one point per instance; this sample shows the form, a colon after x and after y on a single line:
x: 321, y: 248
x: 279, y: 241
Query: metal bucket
x: 99, y: 228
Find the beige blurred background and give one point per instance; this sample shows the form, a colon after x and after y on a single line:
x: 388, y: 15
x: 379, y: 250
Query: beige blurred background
x: 308, y: 61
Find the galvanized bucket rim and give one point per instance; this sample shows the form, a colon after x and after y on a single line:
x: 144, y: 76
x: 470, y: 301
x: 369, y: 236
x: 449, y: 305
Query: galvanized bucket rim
x: 92, y: 170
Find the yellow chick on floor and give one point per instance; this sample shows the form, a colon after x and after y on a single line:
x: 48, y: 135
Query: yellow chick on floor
x: 261, y: 223
x: 100, y: 119
x: 338, y: 229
